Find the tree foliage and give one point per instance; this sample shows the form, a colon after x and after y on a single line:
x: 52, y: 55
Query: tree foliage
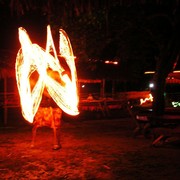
x: 140, y: 34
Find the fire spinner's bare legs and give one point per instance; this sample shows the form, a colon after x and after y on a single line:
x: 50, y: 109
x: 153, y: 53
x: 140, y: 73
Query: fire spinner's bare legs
x: 34, y: 130
x: 56, y: 132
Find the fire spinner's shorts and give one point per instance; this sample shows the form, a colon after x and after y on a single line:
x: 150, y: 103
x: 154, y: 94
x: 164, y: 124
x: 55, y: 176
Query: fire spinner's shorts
x: 48, y: 116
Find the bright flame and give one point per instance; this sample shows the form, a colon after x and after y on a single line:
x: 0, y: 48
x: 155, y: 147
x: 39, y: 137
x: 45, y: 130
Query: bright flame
x: 176, y: 104
x: 32, y: 58
x: 150, y: 98
x: 111, y: 62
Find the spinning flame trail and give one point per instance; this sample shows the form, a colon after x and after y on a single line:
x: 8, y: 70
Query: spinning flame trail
x: 32, y: 58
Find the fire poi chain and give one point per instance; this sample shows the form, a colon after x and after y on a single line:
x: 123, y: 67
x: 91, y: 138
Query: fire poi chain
x: 32, y: 58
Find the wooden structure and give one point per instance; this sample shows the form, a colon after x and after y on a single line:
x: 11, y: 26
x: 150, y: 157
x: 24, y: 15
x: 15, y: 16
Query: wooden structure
x: 7, y: 70
x: 101, y: 102
x: 101, y: 82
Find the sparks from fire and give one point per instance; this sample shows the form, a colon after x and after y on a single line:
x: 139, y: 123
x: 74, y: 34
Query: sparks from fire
x: 30, y: 58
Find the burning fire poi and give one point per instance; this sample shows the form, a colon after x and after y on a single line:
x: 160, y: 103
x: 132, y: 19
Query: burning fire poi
x: 30, y: 58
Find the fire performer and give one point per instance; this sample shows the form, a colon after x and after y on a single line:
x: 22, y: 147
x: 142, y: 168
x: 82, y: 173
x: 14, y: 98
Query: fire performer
x: 57, y: 82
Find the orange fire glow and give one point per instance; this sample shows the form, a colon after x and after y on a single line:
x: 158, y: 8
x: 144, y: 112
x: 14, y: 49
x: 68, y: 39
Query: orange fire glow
x: 149, y: 99
x: 32, y: 58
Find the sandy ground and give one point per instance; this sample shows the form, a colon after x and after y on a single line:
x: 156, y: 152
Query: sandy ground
x: 94, y: 149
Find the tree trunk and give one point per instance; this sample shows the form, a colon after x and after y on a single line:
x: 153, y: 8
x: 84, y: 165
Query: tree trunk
x: 164, y: 67
x: 158, y: 94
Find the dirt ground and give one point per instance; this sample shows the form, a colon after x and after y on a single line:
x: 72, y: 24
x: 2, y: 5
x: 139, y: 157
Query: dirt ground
x: 101, y: 149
